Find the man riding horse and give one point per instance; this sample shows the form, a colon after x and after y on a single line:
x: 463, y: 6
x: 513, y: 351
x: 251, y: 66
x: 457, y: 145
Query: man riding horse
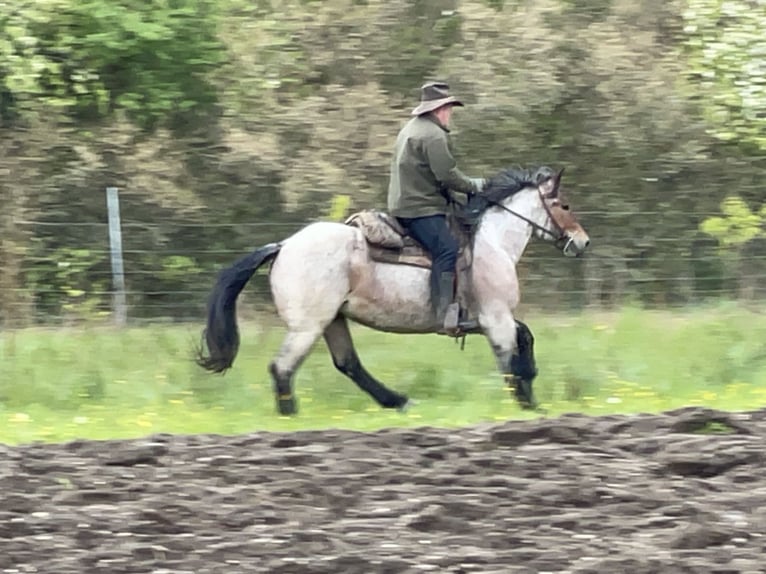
x: 423, y: 171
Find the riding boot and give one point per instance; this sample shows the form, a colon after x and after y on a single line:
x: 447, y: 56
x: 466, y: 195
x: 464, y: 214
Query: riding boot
x: 448, y: 310
x: 441, y: 296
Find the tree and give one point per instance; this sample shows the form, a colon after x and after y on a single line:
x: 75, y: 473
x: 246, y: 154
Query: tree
x: 726, y: 46
x: 736, y: 228
x: 226, y: 123
x: 91, y: 58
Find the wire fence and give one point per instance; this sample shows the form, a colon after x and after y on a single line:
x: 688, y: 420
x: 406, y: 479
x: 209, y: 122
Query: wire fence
x: 604, y: 276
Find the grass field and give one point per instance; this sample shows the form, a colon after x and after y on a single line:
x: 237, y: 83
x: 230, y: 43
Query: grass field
x: 97, y: 382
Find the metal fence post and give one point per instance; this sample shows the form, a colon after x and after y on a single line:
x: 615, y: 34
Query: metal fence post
x: 119, y: 298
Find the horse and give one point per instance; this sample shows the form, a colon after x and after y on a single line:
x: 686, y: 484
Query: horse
x: 329, y: 273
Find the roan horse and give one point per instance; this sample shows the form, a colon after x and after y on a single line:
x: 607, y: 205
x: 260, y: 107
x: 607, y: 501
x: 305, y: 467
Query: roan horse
x: 328, y: 273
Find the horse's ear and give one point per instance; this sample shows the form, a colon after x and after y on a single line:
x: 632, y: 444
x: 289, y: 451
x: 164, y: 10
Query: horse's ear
x: 557, y: 181
x: 550, y: 186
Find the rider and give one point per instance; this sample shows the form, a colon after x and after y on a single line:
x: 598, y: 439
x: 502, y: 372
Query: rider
x: 423, y: 171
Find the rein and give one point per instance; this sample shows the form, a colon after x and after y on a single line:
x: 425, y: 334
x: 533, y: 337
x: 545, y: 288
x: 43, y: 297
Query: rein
x: 537, y: 226
x: 560, y: 238
x: 471, y: 215
x: 529, y: 221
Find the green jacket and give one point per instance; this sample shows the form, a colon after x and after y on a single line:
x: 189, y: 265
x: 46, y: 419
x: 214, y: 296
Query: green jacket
x: 421, y: 170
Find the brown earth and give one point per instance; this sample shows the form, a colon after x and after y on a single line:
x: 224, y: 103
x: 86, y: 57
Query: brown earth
x: 640, y: 494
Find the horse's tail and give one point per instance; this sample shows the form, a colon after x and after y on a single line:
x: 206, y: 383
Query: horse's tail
x: 221, y: 333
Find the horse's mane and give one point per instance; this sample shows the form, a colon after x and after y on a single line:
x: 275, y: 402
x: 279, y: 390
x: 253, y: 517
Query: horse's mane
x: 514, y: 179
x: 499, y: 188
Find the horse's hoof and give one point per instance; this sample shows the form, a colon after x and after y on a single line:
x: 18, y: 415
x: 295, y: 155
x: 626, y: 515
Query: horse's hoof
x: 527, y: 406
x: 406, y: 406
x: 286, y: 406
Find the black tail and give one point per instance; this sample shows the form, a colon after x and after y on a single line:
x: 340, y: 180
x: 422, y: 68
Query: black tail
x: 221, y: 333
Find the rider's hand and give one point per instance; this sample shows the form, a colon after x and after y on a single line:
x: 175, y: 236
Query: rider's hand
x: 479, y: 182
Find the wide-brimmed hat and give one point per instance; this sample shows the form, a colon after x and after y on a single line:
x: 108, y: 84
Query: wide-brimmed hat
x: 434, y: 95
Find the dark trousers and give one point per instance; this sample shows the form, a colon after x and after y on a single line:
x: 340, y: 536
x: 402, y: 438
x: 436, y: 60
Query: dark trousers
x: 434, y: 235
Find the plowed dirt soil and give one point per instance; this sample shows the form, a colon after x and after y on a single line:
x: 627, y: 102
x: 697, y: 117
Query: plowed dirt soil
x: 684, y: 491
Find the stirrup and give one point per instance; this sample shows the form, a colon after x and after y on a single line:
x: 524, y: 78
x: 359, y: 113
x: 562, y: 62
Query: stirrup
x: 454, y: 326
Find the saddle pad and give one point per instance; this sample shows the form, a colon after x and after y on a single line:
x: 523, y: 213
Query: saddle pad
x: 414, y: 256
x: 378, y: 228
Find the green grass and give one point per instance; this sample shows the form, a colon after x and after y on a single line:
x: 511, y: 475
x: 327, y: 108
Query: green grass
x: 101, y: 383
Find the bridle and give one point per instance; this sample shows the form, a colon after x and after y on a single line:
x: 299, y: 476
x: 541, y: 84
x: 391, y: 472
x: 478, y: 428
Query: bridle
x: 560, y: 238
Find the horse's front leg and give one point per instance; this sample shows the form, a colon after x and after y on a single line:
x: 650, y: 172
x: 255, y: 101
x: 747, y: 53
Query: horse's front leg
x: 523, y: 367
x: 513, y: 345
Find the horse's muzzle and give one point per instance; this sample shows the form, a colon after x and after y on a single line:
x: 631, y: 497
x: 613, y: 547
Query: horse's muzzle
x: 574, y: 245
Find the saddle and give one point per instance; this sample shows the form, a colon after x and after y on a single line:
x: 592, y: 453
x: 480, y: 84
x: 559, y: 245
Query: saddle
x: 388, y: 241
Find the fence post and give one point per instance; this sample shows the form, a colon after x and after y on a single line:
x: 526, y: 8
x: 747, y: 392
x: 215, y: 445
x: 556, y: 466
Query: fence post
x: 119, y: 299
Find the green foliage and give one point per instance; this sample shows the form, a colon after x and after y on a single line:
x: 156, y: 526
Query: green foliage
x: 737, y: 226
x: 175, y: 268
x: 231, y: 123
x: 496, y: 4
x: 418, y: 43
x: 64, y: 282
x: 727, y: 61
x: 339, y: 207
x: 90, y: 58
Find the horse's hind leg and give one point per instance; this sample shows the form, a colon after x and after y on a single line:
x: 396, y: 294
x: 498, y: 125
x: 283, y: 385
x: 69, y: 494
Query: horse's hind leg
x: 295, y: 348
x: 338, y: 339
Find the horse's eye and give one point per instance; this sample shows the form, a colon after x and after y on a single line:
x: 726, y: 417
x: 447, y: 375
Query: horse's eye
x: 565, y: 207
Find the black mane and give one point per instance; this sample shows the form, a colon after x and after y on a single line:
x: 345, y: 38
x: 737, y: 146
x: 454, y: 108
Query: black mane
x: 514, y: 179
x: 497, y: 189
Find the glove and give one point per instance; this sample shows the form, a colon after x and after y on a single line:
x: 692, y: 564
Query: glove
x: 479, y: 182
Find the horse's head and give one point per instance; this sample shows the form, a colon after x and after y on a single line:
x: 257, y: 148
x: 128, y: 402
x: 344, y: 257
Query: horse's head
x: 559, y: 223
x: 535, y: 196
